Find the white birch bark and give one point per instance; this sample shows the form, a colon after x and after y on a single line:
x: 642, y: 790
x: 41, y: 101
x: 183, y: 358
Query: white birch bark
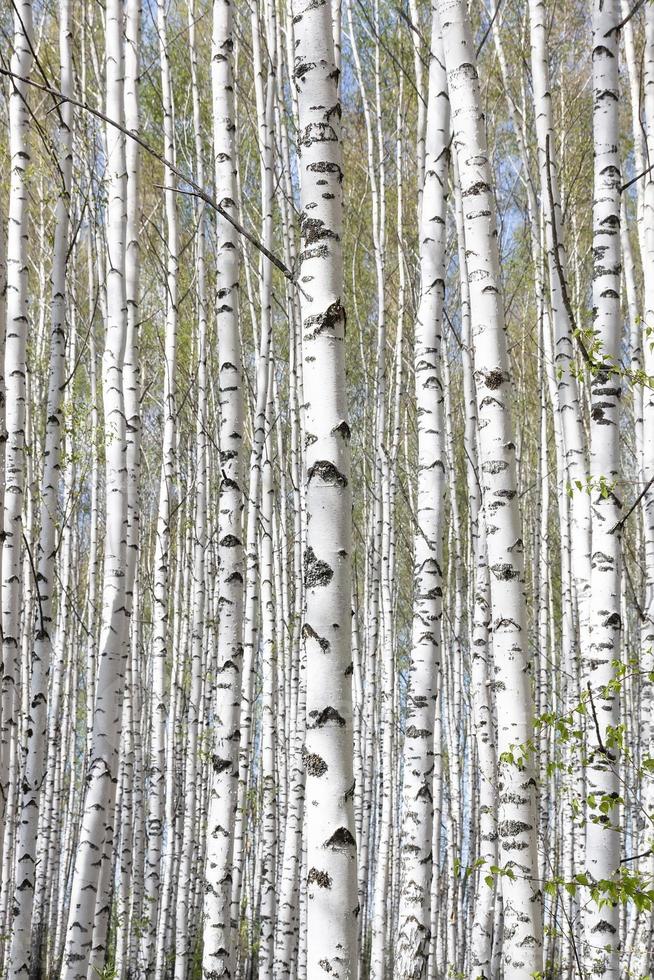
x: 480, y: 646
x: 414, y: 924
x: 102, y: 773
x: 217, y: 962
x: 601, y: 925
x: 265, y: 97
x: 517, y: 824
x: 17, y: 321
x: 567, y: 386
x: 269, y: 657
x: 156, y: 786
x: 184, y: 933
x: 331, y: 846
x: 34, y: 746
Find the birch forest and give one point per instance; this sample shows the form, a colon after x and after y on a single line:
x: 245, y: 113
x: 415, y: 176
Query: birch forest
x: 326, y: 489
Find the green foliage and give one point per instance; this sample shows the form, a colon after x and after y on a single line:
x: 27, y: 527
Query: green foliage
x: 496, y: 870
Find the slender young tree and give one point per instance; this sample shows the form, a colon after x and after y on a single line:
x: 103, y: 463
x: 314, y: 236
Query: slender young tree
x: 102, y: 771
x: 15, y: 369
x: 414, y: 919
x: 34, y: 751
x: 162, y: 559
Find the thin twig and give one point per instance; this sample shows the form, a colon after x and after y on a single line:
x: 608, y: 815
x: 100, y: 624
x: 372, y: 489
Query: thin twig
x: 634, y: 180
x: 634, y: 857
x: 36, y: 583
x: 489, y: 28
x: 199, y: 191
x: 638, y: 499
x: 557, y: 257
x: 634, y: 10
x: 603, y: 749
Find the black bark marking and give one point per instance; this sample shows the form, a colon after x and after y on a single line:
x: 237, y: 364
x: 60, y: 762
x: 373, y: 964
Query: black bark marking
x: 326, y: 716
x: 494, y: 466
x: 413, y: 732
x: 603, y: 926
x: 308, y: 632
x: 327, y: 473
x: 317, y: 132
x: 314, y: 764
x: 343, y: 429
x: 321, y: 878
x: 481, y: 187
x: 506, y: 623
x: 324, y: 167
x: 316, y: 572
x: 494, y: 379
x: 303, y: 68
x: 313, y: 230
x: 332, y: 317
x: 341, y: 839
x: 509, y: 828
x: 504, y: 571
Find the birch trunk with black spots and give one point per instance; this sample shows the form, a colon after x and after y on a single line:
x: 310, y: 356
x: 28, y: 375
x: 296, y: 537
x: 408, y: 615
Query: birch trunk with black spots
x: 162, y: 559
x: 17, y: 323
x: 414, y: 923
x: 102, y: 772
x: 332, y: 904
x: 326, y: 657
x: 34, y: 748
x: 517, y: 819
x: 217, y: 959
x: 603, y: 789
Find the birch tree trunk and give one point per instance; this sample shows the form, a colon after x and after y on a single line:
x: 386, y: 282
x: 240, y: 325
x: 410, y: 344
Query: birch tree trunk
x: 414, y: 924
x: 567, y: 386
x: 217, y: 960
x: 517, y: 823
x: 157, y: 785
x: 34, y: 750
x: 601, y: 925
x: 17, y: 322
x: 331, y: 846
x: 102, y: 772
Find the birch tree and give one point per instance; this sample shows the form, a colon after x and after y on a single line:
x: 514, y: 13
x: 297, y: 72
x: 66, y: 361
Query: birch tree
x: 517, y: 824
x: 217, y: 960
x: 17, y: 321
x: 417, y: 858
x: 35, y: 749
x: 601, y: 926
x: 331, y: 845
x: 102, y: 771
x: 326, y: 657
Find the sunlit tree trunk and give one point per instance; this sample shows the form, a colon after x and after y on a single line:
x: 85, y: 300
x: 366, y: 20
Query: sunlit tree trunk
x: 517, y: 824
x: 159, y: 711
x: 414, y: 925
x: 15, y: 368
x: 217, y: 962
x: 331, y: 846
x: 601, y: 924
x: 102, y: 773
x: 34, y: 748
